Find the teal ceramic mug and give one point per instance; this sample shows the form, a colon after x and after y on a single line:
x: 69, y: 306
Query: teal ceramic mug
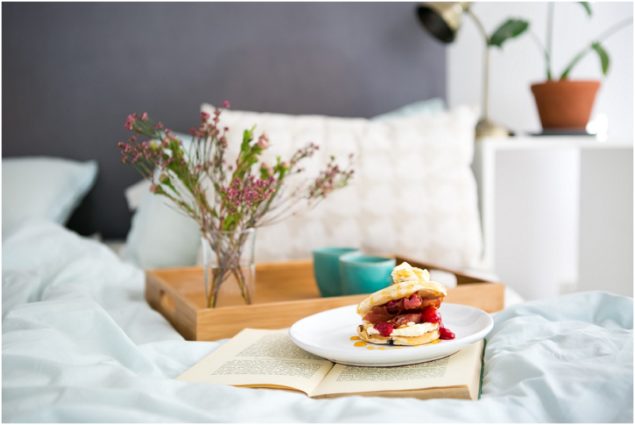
x: 363, y: 274
x: 326, y: 269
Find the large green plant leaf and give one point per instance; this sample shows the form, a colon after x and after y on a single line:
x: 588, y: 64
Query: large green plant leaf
x: 603, y: 56
x: 507, y: 30
x: 587, y: 7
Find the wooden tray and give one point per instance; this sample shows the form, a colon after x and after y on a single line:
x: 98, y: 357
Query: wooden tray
x: 285, y: 292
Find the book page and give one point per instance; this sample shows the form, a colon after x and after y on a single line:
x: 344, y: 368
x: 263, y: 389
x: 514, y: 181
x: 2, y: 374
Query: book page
x: 260, y: 358
x: 456, y: 370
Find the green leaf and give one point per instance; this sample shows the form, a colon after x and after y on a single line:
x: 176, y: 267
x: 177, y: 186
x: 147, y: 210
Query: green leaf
x: 248, y: 136
x: 507, y: 30
x: 587, y: 7
x: 230, y: 221
x: 603, y: 56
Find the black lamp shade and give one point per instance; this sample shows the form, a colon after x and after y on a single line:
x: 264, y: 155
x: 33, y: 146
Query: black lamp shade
x: 441, y: 20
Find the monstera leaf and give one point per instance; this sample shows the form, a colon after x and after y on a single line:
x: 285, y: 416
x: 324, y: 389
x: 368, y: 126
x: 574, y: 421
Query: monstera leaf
x: 509, y: 29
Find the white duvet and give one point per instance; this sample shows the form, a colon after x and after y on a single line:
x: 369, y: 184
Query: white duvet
x: 80, y: 344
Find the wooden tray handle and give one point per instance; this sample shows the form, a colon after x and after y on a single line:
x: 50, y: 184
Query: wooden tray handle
x: 167, y: 303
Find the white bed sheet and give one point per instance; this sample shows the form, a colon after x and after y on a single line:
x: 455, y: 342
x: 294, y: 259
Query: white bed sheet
x: 81, y: 344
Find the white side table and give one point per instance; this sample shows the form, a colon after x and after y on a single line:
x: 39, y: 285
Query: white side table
x: 557, y: 213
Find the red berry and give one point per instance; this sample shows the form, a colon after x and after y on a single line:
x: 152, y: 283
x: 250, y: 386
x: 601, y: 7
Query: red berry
x: 430, y: 315
x: 445, y: 333
x: 385, y: 329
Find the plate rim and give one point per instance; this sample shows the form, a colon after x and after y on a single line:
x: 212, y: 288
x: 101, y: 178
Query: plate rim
x: 469, y: 339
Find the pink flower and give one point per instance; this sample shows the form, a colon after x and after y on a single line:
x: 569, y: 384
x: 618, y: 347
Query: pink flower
x: 144, y: 116
x: 204, y: 116
x: 130, y: 120
x: 263, y: 141
x: 226, y: 104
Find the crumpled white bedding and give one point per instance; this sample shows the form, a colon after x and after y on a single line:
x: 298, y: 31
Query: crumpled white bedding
x: 81, y: 344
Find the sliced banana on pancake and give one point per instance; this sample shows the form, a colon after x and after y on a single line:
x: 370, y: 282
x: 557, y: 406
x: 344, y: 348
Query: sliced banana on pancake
x: 404, y: 272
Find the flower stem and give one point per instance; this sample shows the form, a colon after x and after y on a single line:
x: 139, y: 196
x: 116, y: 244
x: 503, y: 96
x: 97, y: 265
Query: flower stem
x: 228, y: 249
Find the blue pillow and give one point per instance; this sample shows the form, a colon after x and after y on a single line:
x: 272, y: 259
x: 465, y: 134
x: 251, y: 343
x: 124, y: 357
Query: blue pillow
x: 42, y: 188
x: 423, y: 107
x: 160, y: 235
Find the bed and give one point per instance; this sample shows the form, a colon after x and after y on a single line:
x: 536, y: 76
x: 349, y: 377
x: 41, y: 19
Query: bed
x: 80, y: 343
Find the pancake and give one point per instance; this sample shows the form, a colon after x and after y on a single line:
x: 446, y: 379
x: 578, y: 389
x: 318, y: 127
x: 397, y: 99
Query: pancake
x: 362, y: 332
x: 413, y: 321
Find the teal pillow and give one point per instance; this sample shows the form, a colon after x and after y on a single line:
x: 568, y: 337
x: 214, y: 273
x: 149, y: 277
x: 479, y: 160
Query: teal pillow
x: 42, y: 188
x: 423, y: 107
x: 160, y: 235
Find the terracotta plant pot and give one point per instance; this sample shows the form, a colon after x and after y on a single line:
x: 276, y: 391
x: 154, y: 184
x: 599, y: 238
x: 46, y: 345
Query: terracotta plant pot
x: 565, y: 105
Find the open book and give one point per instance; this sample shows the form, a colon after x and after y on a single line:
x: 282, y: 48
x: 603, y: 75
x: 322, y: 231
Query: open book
x: 269, y: 359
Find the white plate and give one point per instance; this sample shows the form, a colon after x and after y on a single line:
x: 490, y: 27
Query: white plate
x: 328, y: 334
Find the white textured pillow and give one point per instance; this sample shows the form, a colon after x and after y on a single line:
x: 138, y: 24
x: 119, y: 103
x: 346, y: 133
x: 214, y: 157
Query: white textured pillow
x: 42, y: 188
x: 413, y: 192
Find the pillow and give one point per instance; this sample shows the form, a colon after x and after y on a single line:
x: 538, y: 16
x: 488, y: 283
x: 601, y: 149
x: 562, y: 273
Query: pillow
x: 42, y: 188
x: 413, y: 192
x: 160, y: 235
x: 174, y: 249
x: 423, y: 107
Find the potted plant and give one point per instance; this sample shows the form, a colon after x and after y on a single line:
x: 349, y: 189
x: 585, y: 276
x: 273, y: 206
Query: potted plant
x: 564, y: 103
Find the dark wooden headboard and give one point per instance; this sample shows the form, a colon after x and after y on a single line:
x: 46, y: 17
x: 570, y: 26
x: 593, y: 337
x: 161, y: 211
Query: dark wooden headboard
x: 73, y: 71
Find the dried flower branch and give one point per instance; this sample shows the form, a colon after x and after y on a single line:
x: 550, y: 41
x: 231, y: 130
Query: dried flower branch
x: 224, y: 196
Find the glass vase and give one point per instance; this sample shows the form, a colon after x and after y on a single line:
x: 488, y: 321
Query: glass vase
x: 229, y: 267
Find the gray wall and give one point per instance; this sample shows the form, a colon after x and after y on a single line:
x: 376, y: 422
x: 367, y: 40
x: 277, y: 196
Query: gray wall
x: 73, y: 71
